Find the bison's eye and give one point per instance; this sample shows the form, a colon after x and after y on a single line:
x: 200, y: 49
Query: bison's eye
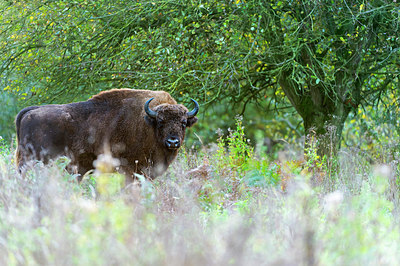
x: 184, y: 123
x: 160, y: 124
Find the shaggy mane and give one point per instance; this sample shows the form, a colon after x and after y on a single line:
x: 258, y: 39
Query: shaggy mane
x: 113, y: 95
x: 117, y: 95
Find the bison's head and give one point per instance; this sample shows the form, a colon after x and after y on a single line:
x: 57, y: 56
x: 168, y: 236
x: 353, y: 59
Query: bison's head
x: 170, y: 122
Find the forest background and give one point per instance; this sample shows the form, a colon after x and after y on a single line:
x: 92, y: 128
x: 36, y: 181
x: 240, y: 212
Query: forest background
x: 275, y: 80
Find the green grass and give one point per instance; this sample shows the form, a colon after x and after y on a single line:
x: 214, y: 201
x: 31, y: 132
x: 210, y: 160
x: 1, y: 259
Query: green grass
x: 237, y: 209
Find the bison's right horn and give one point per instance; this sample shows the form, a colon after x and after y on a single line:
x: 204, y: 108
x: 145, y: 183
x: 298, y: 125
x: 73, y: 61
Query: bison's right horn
x: 148, y: 111
x: 195, y: 110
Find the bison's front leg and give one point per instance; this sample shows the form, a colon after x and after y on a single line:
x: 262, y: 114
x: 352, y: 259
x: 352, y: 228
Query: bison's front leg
x: 128, y: 172
x: 132, y: 172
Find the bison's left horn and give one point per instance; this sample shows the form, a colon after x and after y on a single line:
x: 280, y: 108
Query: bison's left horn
x: 195, y: 110
x: 148, y: 111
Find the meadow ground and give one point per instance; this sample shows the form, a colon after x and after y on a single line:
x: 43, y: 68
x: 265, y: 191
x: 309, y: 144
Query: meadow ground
x: 236, y: 208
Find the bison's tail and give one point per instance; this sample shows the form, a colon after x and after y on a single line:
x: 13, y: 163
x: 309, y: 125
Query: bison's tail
x: 18, y: 159
x: 18, y: 155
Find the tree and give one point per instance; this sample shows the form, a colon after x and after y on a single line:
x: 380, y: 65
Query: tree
x: 335, y: 57
x: 327, y: 57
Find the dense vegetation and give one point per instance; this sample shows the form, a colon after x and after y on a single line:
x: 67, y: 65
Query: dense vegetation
x: 235, y: 208
x: 295, y: 159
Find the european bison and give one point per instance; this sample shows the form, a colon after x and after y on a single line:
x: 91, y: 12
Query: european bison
x: 143, y: 129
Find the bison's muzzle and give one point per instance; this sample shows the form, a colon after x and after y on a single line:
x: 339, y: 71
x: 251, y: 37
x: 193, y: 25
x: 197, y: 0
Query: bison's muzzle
x: 173, y: 143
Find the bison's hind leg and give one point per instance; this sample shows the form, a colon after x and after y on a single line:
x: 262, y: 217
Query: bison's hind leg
x: 26, y: 157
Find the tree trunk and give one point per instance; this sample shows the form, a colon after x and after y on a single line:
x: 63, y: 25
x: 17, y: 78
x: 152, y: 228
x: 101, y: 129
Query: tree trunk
x: 323, y: 131
x: 323, y: 115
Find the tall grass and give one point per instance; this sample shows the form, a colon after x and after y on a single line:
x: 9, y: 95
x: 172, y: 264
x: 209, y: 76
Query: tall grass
x: 223, y: 205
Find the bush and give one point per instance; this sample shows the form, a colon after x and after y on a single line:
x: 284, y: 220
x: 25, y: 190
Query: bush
x: 9, y: 111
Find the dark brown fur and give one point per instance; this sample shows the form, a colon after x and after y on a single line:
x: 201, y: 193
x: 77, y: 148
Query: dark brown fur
x: 113, y: 120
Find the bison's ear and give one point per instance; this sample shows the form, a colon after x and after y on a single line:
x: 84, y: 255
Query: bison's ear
x: 191, y: 121
x: 150, y: 121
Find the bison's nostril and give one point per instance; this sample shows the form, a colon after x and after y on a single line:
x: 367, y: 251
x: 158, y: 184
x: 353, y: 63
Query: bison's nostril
x: 173, y: 143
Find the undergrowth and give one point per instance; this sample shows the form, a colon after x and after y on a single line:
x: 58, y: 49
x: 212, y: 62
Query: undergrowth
x: 222, y: 205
